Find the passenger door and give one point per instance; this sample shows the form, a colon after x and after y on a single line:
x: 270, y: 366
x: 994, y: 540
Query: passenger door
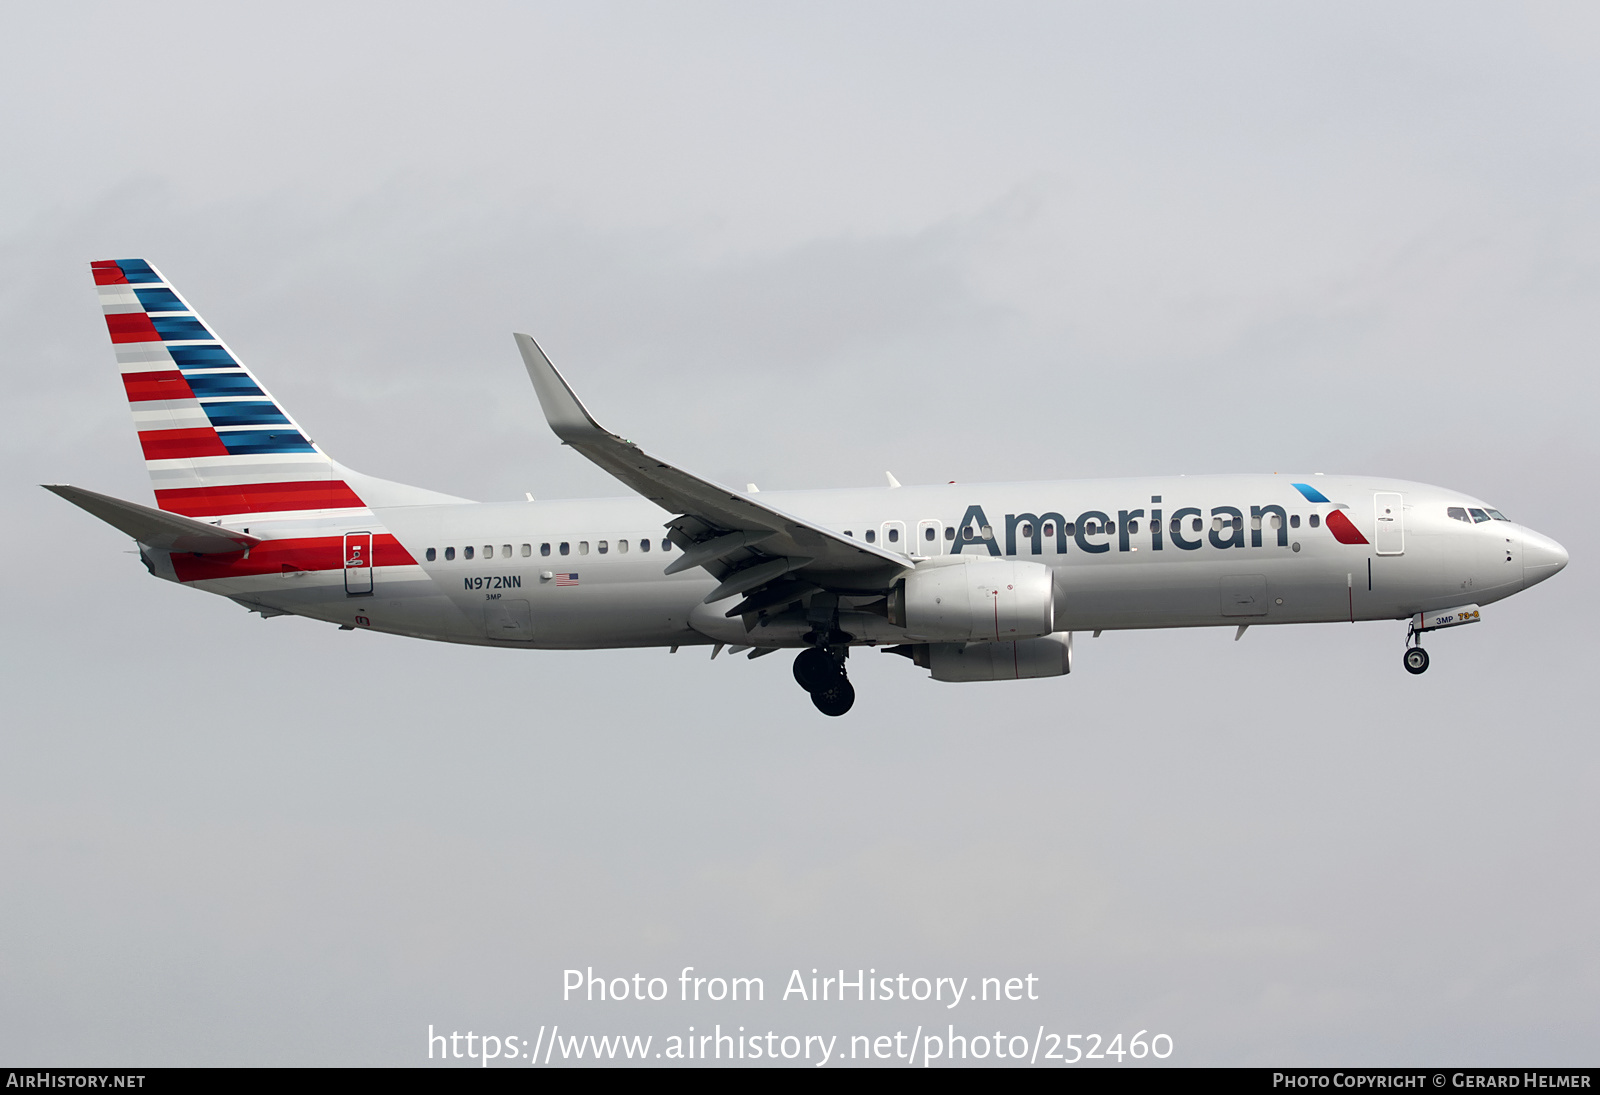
x: 1389, y: 528
x: 357, y: 563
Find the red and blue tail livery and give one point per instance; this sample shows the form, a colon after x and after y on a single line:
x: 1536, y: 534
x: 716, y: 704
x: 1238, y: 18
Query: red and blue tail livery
x: 215, y: 442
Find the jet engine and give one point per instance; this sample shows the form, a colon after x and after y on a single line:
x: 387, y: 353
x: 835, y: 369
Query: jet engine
x: 960, y: 600
x: 1050, y: 656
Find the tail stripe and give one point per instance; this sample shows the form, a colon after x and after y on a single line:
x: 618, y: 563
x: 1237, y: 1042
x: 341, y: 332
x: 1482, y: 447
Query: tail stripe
x: 214, y: 440
x: 259, y: 498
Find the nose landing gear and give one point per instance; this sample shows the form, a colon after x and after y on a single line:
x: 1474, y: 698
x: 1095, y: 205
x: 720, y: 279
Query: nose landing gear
x: 1416, y: 660
x: 820, y: 672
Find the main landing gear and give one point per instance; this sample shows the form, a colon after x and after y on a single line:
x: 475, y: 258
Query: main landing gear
x: 821, y: 672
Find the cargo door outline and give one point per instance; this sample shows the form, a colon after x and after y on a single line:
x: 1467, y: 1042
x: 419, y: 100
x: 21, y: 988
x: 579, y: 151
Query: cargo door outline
x: 357, y: 564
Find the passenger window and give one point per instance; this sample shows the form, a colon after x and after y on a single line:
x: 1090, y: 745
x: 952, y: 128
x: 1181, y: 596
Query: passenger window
x: 527, y: 550
x: 1255, y: 523
x: 1459, y: 513
x: 949, y: 533
x: 1314, y: 521
x: 894, y: 536
x: 847, y: 532
x: 1177, y: 526
x: 1133, y: 527
x: 1238, y: 523
x: 566, y: 548
x: 1194, y: 526
x: 583, y: 547
x: 1478, y: 515
x: 1111, y: 526
x: 466, y: 552
x: 1070, y: 528
x: 488, y: 551
x: 966, y: 533
x: 872, y: 537
x: 622, y: 546
x: 1216, y: 524
x: 603, y: 547
x: 929, y: 533
x: 1294, y: 520
x: 1049, y: 528
x: 666, y: 544
x: 449, y: 554
x: 1276, y: 522
x: 644, y: 545
x: 1027, y: 530
x: 505, y: 551
x: 544, y: 549
x: 432, y: 555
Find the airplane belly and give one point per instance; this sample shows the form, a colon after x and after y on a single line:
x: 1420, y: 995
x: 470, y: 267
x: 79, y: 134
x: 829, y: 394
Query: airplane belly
x: 1201, y: 593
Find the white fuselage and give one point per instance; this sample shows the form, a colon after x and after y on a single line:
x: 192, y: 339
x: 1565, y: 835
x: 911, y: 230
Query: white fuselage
x: 588, y: 573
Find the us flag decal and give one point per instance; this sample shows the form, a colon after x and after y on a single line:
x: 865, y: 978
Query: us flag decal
x: 567, y: 579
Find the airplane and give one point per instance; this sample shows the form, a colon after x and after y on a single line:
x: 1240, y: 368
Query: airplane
x: 971, y: 582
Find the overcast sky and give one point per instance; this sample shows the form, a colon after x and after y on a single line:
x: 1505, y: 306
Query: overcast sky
x: 800, y: 245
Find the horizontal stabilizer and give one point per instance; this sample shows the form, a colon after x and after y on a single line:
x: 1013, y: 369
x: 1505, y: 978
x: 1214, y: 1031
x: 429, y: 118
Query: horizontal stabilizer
x: 157, y: 528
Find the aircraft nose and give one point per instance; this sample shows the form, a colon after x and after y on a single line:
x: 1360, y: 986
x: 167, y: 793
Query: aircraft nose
x: 1541, y: 557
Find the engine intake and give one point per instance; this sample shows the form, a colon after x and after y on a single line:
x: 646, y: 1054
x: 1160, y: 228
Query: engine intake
x: 963, y: 600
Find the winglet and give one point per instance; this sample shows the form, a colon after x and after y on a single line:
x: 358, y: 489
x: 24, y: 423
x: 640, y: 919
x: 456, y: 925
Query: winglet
x: 567, y: 415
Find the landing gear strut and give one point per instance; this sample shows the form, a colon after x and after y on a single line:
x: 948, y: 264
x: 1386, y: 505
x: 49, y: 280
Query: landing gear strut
x: 821, y: 672
x: 1416, y: 658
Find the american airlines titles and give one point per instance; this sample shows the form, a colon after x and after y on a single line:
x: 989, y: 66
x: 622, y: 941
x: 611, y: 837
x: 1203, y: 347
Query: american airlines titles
x: 975, y: 532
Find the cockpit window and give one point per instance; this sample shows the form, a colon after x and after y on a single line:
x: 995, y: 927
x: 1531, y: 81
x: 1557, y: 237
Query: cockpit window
x: 1459, y: 513
x: 1498, y: 516
x: 1478, y: 515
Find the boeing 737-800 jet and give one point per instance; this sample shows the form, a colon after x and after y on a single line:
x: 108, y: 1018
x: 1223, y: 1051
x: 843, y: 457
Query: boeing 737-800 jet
x: 972, y: 582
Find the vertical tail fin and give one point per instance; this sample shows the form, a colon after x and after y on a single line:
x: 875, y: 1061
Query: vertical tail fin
x: 215, y: 443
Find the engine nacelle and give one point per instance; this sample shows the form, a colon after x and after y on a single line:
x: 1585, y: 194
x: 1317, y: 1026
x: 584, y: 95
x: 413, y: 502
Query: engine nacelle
x: 957, y: 600
x: 1050, y: 656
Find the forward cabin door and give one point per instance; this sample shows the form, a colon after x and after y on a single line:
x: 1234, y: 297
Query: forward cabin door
x: 1390, y: 524
x: 928, y: 542
x: 357, y: 563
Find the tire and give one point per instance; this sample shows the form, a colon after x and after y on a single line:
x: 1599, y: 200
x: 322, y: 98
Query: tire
x: 835, y: 699
x: 1416, y: 660
x: 814, y: 669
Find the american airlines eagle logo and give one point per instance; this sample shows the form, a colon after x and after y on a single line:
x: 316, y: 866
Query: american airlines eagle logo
x: 1338, y: 524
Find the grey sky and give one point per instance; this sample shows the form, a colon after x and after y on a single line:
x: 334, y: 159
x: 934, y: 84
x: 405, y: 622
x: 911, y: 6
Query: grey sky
x: 798, y: 246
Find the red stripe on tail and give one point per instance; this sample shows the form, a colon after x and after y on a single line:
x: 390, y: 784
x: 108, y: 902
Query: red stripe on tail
x: 108, y: 273
x: 259, y: 498
x: 166, y: 384
x: 132, y: 327
x: 181, y: 444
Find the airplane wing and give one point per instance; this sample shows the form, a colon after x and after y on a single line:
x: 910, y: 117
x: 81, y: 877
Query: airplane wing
x: 159, y: 529
x: 753, y: 548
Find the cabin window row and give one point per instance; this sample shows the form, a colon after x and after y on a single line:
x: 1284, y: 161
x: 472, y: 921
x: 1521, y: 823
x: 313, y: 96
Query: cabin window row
x: 563, y: 547
x: 1097, y: 528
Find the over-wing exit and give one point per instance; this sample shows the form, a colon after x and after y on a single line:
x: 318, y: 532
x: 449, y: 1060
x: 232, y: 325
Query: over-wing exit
x: 971, y: 582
